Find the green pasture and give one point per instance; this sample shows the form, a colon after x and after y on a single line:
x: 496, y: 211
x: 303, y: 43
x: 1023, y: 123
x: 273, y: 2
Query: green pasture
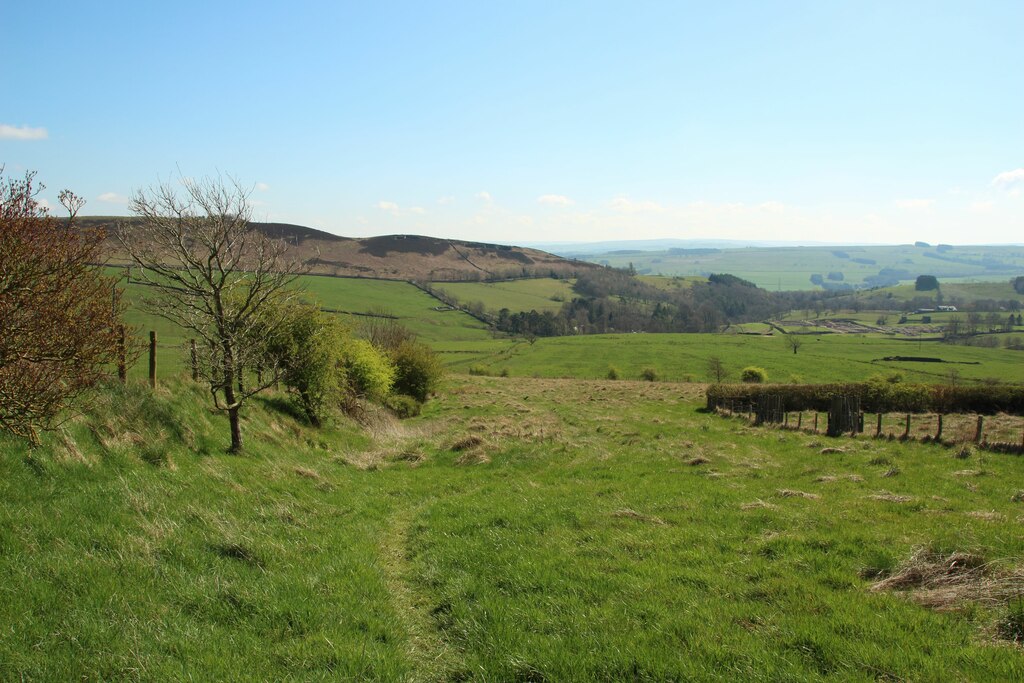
x: 539, y: 294
x: 519, y: 530
x: 678, y: 357
x: 790, y: 268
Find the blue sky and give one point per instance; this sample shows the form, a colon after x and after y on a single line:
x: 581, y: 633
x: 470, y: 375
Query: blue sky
x: 538, y: 121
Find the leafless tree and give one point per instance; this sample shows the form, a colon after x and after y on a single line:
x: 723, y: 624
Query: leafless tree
x: 215, y: 275
x: 794, y: 341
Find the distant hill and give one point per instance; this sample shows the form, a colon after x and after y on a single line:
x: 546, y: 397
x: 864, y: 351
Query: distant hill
x: 394, y: 257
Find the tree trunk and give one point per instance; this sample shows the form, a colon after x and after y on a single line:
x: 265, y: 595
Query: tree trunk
x: 236, y: 431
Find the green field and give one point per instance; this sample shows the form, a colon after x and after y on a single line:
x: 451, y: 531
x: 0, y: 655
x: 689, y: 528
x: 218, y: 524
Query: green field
x: 790, y: 268
x: 683, y: 357
x: 541, y: 294
x: 519, y: 530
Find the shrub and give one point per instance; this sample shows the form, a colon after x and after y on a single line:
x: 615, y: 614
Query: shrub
x: 754, y: 375
x: 479, y: 371
x: 403, y: 406
x: 649, y: 375
x: 613, y: 372
x: 417, y: 369
x: 369, y: 372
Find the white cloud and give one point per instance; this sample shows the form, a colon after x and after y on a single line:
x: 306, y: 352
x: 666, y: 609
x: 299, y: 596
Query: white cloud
x: 772, y: 207
x: 112, y: 198
x: 262, y: 187
x: 395, y: 210
x: 485, y: 196
x: 8, y: 132
x: 555, y: 200
x: 914, y: 204
x: 1010, y: 181
x: 627, y: 205
x: 418, y: 210
x: 446, y: 200
x: 387, y: 206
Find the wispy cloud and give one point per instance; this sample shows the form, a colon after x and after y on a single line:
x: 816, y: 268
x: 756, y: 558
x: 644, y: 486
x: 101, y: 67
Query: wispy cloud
x: 1010, y: 181
x: 554, y: 200
x: 914, y: 204
x: 395, y: 210
x: 485, y: 196
x: 262, y: 187
x: 623, y: 204
x: 9, y: 132
x: 112, y: 198
x: 446, y: 200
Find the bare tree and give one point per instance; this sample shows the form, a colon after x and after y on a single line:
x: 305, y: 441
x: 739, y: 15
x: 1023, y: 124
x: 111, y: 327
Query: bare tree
x: 795, y: 342
x: 716, y: 369
x: 214, y: 275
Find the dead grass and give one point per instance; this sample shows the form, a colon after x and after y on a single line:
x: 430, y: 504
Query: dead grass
x: 757, y: 505
x: 948, y: 581
x: 890, y: 497
x: 829, y: 478
x: 791, y: 493
x: 627, y: 513
x: 699, y: 460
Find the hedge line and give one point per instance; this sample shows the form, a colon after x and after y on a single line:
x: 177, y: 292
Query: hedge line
x: 877, y: 397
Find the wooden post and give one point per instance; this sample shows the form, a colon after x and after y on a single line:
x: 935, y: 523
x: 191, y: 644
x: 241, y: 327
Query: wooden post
x: 906, y: 432
x: 978, y: 431
x: 785, y: 420
x: 878, y: 429
x: 122, y: 361
x: 195, y: 359
x: 800, y: 419
x: 152, y: 359
x: 815, y: 421
x: 938, y: 431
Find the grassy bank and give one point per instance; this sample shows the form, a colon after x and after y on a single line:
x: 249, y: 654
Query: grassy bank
x: 519, y: 530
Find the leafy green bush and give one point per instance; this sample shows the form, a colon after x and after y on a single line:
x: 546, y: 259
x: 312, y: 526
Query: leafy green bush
x: 479, y: 371
x: 754, y: 375
x: 403, y: 406
x: 307, y: 346
x: 417, y: 369
x: 649, y: 375
x: 369, y: 372
x: 613, y: 372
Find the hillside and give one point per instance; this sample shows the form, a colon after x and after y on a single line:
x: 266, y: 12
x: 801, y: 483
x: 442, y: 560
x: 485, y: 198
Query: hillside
x: 394, y: 257
x: 520, y: 530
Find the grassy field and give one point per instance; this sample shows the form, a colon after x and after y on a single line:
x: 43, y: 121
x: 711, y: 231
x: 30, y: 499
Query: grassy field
x: 790, y: 268
x: 520, y: 529
x: 542, y: 294
x: 827, y: 358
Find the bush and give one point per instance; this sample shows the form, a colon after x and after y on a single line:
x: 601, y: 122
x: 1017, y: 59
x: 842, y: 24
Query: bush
x: 369, y: 372
x: 613, y: 372
x: 649, y: 375
x: 479, y: 371
x: 417, y: 369
x: 754, y: 375
x: 308, y: 347
x: 403, y: 406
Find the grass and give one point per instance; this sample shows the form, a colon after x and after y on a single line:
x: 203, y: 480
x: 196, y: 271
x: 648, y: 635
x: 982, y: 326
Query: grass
x: 825, y: 358
x: 519, y: 530
x: 540, y: 294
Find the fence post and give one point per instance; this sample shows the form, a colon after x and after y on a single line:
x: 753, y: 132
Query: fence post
x: 878, y: 429
x: 800, y: 419
x: 981, y: 426
x: 195, y: 359
x: 906, y: 431
x: 122, y: 361
x: 152, y: 359
x: 815, y: 421
x: 938, y: 432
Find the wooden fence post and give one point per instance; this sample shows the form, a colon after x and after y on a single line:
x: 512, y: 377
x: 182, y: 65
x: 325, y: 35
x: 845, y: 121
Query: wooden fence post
x: 800, y: 419
x: 152, y: 359
x: 195, y: 359
x: 878, y: 429
x: 122, y: 361
x: 938, y: 431
x: 978, y: 431
x: 906, y: 431
x: 815, y: 421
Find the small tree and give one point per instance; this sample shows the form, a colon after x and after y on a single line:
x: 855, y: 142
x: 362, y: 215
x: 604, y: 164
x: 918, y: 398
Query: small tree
x: 213, y: 274
x: 716, y: 369
x: 795, y: 342
x: 59, y: 317
x: 753, y: 375
x: 926, y: 283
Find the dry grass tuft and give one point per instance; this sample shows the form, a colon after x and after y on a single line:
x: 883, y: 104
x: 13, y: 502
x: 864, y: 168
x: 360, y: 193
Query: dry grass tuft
x: 831, y: 450
x: 891, y: 472
x: 699, y: 460
x: 1017, y: 497
x: 945, y: 582
x: 891, y: 497
x: 987, y: 515
x: 473, y: 458
x: 757, y: 505
x: 790, y: 493
x: 466, y: 443
x: 639, y: 516
x: 968, y: 473
x: 829, y: 478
